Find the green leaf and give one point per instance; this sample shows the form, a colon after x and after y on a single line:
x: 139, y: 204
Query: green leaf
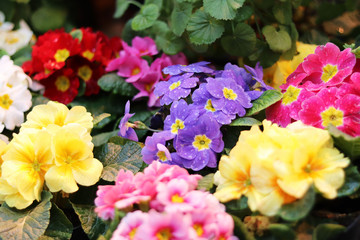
x: 282, y: 232
x: 121, y: 7
x: 77, y: 34
x: 3, y: 52
x: 289, y: 54
x: 60, y: 228
x: 146, y: 18
x: 244, y: 13
x: 47, y: 18
x: 327, y: 231
x: 100, y: 117
x: 222, y: 9
x: 119, y: 156
x: 206, y: 183
x: 128, y: 33
x: 300, y: 208
x: 112, y: 82
x: 242, y: 42
x: 282, y: 12
x: 267, y: 99
x: 245, y: 121
x: 356, y: 51
x: 93, y: 225
x: 25, y: 224
x: 160, y: 28
x: 352, y: 182
x: 279, y: 41
x: 346, y: 143
x: 264, y: 55
x: 170, y: 44
x: 180, y: 17
x: 203, y: 29
x: 158, y: 3
x: 103, y: 138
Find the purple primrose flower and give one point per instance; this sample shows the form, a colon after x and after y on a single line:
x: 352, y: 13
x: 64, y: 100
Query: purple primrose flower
x: 199, y: 67
x: 126, y: 128
x: 155, y: 149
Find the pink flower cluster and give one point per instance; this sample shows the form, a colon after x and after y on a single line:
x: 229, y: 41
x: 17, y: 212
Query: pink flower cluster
x: 323, y: 90
x: 177, y: 210
x: 131, y: 64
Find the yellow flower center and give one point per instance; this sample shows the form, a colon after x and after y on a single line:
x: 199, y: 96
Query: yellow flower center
x: 68, y: 160
x: 247, y: 182
x: 9, y: 85
x: 5, y: 101
x: 209, y: 106
x: 174, y: 85
x: 148, y: 87
x: 36, y: 166
x: 176, y: 126
x: 132, y: 233
x: 85, y: 72
x: 135, y: 71
x: 329, y: 71
x: 46, y: 71
x: 199, y: 229
x: 332, y: 116
x: 201, y: 142
x: 229, y: 93
x: 177, y: 199
x: 62, y: 83
x: 11, y: 40
x: 161, y: 155
x: 88, y: 54
x: 164, y: 234
x: 291, y: 95
x: 221, y: 238
x: 61, y: 55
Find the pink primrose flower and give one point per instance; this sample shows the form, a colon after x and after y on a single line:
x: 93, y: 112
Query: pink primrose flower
x: 129, y: 225
x: 330, y: 107
x: 144, y: 46
x: 225, y: 228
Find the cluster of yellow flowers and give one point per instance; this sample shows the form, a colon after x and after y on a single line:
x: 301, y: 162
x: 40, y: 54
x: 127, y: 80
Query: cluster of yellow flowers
x: 277, y: 166
x: 54, y: 148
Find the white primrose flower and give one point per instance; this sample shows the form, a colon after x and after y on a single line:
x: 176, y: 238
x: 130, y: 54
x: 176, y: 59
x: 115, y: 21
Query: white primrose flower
x: 11, y: 41
x: 5, y: 26
x: 11, y: 74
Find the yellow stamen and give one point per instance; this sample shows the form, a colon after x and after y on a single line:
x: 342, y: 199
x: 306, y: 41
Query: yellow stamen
x: 161, y: 155
x: 174, y: 85
x: 61, y: 55
x: 164, y: 234
x: 209, y: 106
x: 229, y: 93
x: 176, y: 126
x: 199, y: 229
x: 135, y: 71
x: 62, y: 83
x: 85, y: 72
x: 132, y: 233
x: 291, y: 95
x: 11, y: 40
x: 329, y: 71
x: 5, y: 101
x: 88, y: 54
x: 177, y: 199
x: 332, y: 116
x: 201, y: 142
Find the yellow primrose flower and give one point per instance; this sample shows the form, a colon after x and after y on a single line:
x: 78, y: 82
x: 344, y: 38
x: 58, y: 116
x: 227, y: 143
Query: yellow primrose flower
x: 283, y: 68
x: 74, y: 163
x: 56, y: 113
x: 234, y: 176
x: 11, y: 196
x: 3, y: 148
x: 26, y: 161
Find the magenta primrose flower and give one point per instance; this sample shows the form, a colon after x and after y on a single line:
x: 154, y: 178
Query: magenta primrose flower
x: 141, y: 46
x: 330, y: 107
x: 196, y: 147
x: 126, y: 128
x: 129, y: 226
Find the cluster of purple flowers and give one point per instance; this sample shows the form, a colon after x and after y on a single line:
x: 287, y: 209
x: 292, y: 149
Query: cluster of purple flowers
x: 202, y: 100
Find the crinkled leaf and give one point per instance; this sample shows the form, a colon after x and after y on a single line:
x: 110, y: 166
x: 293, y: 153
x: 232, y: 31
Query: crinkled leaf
x: 264, y: 55
x: 268, y: 98
x: 244, y: 13
x: 146, y: 18
x: 121, y: 7
x: 346, y: 143
x: 206, y: 183
x: 203, y: 29
x: 242, y: 42
x: 114, y: 83
x: 160, y: 28
x: 170, y: 44
x: 327, y: 231
x: 240, y: 230
x: 282, y: 232
x: 60, y: 228
x: 47, y: 18
x: 222, y: 9
x: 103, y: 138
x: 77, y: 34
x: 180, y: 17
x: 245, y: 121
x: 282, y: 12
x: 352, y: 182
x: 300, y: 208
x: 279, y: 41
x: 114, y: 157
x: 25, y: 224
x: 93, y: 225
